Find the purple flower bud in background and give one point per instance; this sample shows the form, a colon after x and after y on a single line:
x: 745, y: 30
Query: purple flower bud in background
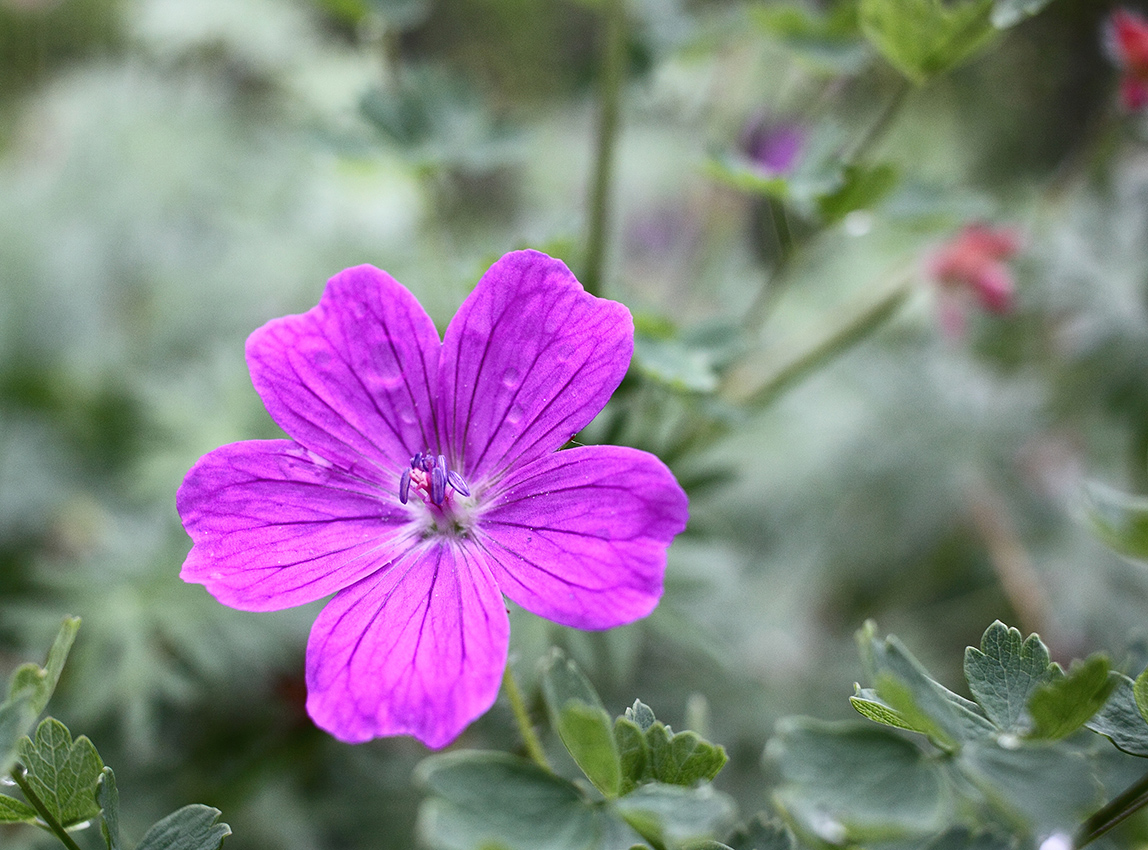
x: 773, y: 146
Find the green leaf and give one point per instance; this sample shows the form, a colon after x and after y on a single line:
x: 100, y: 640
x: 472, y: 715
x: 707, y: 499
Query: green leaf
x: 1064, y: 703
x: 1050, y: 788
x: 852, y: 782
x: 108, y: 798
x: 582, y: 723
x: 485, y: 799
x: 1140, y: 692
x: 861, y: 189
x: 762, y: 833
x: 868, y: 704
x: 1004, y: 674
x: 15, y: 811
x: 633, y: 753
x: 29, y: 689
x: 962, y: 838
x: 193, y: 827
x: 919, y: 702
x: 1120, y: 520
x: 1009, y: 13
x: 640, y: 714
x: 924, y: 38
x: 63, y: 773
x: 741, y: 174
x: 671, y: 814
x: 682, y: 758
x: 1120, y: 719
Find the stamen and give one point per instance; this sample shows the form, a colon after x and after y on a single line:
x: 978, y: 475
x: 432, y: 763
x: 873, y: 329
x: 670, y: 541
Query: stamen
x: 429, y: 475
x: 456, y: 482
x: 438, y: 481
x: 405, y: 486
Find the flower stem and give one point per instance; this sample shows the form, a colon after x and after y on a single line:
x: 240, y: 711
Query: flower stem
x: 758, y: 390
x: 19, y: 774
x: 1117, y: 810
x: 613, y: 70
x: 881, y: 124
x: 522, y: 718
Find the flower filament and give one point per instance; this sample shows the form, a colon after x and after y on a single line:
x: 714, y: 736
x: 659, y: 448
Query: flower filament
x: 431, y: 477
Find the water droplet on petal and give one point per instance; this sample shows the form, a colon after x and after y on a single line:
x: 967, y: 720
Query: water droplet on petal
x: 511, y: 378
x: 515, y: 414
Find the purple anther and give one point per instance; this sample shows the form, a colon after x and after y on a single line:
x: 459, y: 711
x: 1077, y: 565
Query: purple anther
x: 417, y: 461
x: 405, y: 486
x: 438, y: 485
x: 456, y: 482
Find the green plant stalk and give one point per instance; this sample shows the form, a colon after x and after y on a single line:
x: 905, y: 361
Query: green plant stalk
x: 856, y: 326
x: 18, y: 774
x: 774, y: 281
x: 522, y: 718
x: 1117, y: 811
x: 881, y: 124
x: 613, y: 70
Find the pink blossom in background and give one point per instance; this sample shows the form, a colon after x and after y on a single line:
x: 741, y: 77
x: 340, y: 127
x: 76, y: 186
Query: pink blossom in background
x: 974, y: 263
x: 421, y: 481
x: 1126, y: 36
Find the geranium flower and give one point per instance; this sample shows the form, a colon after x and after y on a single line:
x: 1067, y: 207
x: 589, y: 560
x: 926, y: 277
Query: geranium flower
x: 774, y: 147
x: 1127, y: 38
x: 974, y: 261
x: 421, y: 482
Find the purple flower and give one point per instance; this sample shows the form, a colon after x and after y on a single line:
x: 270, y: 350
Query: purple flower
x: 773, y: 147
x: 422, y: 482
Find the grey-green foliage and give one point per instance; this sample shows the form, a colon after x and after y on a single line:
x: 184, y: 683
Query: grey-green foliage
x: 63, y: 777
x: 924, y: 38
x: 652, y: 783
x: 1012, y: 749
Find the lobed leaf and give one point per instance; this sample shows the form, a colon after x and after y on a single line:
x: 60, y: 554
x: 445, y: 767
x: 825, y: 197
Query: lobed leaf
x: 850, y: 782
x: 485, y: 799
x: 193, y: 827
x: 1004, y: 674
x: 63, y: 773
x: 1120, y: 520
x: 671, y: 814
x: 762, y: 833
x: 1120, y: 719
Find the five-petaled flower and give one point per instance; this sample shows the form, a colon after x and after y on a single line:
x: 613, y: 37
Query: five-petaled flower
x: 1126, y: 35
x: 974, y: 262
x: 421, y: 482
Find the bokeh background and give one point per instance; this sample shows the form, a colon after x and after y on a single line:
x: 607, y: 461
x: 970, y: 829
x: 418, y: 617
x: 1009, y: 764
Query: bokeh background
x: 174, y: 173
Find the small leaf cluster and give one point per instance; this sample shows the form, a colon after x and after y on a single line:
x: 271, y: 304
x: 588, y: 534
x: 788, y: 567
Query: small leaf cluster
x: 642, y: 783
x: 63, y: 780
x: 1012, y: 755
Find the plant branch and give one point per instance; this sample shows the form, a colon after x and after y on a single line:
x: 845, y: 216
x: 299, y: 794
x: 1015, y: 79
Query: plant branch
x: 522, y: 718
x: 756, y: 387
x: 19, y: 774
x: 613, y: 70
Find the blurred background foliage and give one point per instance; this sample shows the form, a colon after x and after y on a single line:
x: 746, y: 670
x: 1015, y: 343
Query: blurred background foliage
x: 174, y: 173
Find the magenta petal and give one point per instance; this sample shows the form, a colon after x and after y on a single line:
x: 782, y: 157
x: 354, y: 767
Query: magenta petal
x: 529, y: 359
x: 418, y: 649
x: 353, y: 378
x: 580, y: 536
x: 275, y: 526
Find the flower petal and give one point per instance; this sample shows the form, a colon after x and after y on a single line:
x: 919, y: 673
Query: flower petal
x: 275, y: 526
x: 352, y: 379
x: 580, y: 536
x: 529, y: 359
x: 418, y: 649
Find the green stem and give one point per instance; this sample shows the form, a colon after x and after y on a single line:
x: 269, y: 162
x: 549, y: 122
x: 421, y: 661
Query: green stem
x: 522, y: 718
x: 858, y: 324
x: 613, y: 70
x: 882, y: 124
x: 18, y: 774
x: 771, y: 287
x: 1119, y: 809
